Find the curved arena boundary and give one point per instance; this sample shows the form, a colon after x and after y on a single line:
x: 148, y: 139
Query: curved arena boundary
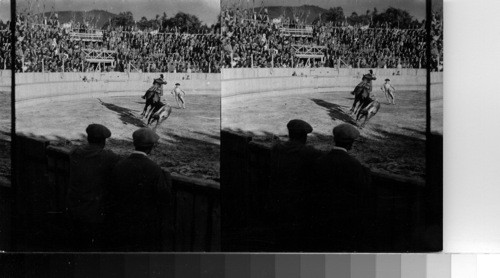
x: 35, y: 88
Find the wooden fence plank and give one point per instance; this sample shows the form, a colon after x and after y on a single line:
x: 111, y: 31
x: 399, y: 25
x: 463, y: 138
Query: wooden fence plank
x: 183, y: 221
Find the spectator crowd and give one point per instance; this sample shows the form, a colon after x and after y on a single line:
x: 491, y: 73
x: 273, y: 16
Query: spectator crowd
x: 5, y: 46
x: 49, y: 47
x: 115, y: 203
x: 318, y: 201
x: 255, y: 40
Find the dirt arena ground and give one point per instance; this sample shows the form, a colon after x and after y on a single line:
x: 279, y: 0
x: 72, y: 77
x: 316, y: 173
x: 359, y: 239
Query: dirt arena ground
x: 393, y: 141
x: 190, y: 138
x: 5, y: 129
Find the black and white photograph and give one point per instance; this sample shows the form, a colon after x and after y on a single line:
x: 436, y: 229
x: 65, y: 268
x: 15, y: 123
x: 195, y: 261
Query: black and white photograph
x: 117, y: 123
x: 233, y: 125
x: 5, y: 121
x: 324, y: 124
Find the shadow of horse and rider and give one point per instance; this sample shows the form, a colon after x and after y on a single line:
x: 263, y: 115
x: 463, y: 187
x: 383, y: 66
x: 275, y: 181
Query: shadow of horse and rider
x: 154, y: 110
x: 363, y: 107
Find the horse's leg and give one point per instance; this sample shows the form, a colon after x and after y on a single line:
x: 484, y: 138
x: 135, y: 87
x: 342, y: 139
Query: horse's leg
x: 357, y: 107
x: 356, y: 99
x: 151, y: 113
x: 145, y: 108
x: 368, y: 116
x: 151, y: 108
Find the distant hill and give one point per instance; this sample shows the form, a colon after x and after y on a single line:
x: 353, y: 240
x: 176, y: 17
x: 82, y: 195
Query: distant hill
x: 97, y: 17
x: 308, y: 13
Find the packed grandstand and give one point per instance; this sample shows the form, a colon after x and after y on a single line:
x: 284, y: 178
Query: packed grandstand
x: 252, y: 38
x: 243, y: 39
x: 51, y: 46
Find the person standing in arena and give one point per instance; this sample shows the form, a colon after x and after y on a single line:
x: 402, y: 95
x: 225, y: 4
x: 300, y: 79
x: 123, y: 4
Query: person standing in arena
x: 90, y: 171
x: 139, y: 215
x: 178, y: 97
x: 389, y: 91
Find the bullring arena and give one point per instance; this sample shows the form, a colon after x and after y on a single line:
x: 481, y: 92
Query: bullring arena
x: 59, y: 106
x: 260, y: 102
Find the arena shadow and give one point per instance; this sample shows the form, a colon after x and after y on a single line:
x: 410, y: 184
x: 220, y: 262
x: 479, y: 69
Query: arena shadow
x: 399, y: 218
x: 125, y: 114
x: 387, y: 153
x: 39, y: 209
x: 216, y: 137
x: 335, y: 111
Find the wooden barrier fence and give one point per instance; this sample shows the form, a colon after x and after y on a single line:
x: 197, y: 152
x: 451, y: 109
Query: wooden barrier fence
x: 42, y: 180
x: 397, y: 204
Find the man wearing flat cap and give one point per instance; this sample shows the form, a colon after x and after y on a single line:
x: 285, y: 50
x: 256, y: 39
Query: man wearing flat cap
x: 341, y: 186
x: 139, y: 199
x: 291, y: 169
x: 90, y: 170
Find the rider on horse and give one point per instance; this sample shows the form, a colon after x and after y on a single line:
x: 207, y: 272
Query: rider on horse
x: 154, y: 93
x: 369, y: 77
x: 363, y: 89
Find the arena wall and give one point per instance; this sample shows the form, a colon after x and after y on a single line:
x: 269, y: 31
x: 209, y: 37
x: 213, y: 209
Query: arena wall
x: 33, y: 88
x: 437, y: 86
x: 5, y: 80
x: 242, y: 83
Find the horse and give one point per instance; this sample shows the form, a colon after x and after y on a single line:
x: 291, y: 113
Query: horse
x: 369, y: 107
x: 361, y: 92
x: 160, y: 112
x: 151, y: 96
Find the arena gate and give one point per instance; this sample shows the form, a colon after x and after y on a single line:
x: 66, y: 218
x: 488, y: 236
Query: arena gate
x: 42, y: 178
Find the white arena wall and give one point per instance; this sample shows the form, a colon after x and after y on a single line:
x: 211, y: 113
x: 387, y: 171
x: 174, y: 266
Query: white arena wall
x: 238, y: 84
x: 34, y: 88
x: 5, y: 80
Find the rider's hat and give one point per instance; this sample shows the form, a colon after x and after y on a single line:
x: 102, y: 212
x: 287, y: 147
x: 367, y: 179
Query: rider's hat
x: 345, y: 133
x: 387, y: 79
x: 98, y: 131
x: 299, y: 127
x: 145, y: 137
x: 177, y: 84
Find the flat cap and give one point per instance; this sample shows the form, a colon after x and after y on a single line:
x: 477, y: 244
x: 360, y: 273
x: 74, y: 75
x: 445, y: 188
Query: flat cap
x: 98, y: 131
x: 299, y: 126
x: 387, y: 79
x: 177, y: 84
x: 345, y: 133
x: 145, y: 137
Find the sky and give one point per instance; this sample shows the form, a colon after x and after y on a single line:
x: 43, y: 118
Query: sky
x: 415, y: 7
x: 206, y: 10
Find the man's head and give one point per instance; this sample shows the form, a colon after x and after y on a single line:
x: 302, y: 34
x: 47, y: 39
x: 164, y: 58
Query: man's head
x: 371, y: 71
x: 145, y: 139
x: 177, y: 84
x: 298, y: 130
x: 344, y: 135
x: 161, y: 75
x: 387, y: 80
x: 97, y: 134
